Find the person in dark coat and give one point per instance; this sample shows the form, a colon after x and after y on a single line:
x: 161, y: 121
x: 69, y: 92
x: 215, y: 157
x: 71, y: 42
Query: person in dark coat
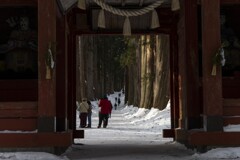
x: 89, y: 116
x: 105, y: 109
x: 119, y: 101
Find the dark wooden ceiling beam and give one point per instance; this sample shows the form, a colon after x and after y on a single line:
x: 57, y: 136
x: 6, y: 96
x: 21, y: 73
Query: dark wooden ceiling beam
x: 230, y: 1
x: 18, y: 3
x: 226, y: 2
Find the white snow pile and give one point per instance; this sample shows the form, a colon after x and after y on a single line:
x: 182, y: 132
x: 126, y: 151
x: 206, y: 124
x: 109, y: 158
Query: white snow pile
x: 152, y: 120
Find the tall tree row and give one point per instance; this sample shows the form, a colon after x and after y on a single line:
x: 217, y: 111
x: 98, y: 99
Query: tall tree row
x: 98, y: 66
x: 142, y: 62
x: 148, y: 75
x: 84, y: 61
x: 161, y: 84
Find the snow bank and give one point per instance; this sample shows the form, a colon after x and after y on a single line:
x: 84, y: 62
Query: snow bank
x: 152, y: 120
x: 220, y: 153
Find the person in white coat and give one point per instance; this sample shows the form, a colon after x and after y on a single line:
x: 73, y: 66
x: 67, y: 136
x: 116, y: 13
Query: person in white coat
x: 83, y: 109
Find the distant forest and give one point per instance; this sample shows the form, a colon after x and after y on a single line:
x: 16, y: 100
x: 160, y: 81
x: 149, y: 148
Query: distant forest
x: 138, y: 65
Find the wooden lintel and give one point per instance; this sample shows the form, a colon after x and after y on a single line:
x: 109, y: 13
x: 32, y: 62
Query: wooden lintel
x: 18, y: 124
x: 18, y: 3
x: 223, y: 2
x: 214, y: 138
x: 230, y: 1
x: 18, y: 109
x: 59, y: 139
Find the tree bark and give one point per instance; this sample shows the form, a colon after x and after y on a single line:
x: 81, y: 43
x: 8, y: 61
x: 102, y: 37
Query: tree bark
x: 161, y: 83
x: 89, y: 64
x: 143, y: 70
x: 82, y: 66
x: 149, y: 73
x: 137, y: 76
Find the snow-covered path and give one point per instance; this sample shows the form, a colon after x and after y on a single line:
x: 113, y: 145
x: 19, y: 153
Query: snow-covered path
x: 123, y: 140
x: 132, y: 134
x: 119, y: 131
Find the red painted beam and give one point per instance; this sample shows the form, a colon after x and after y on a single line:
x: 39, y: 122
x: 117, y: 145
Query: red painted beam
x: 222, y: 2
x: 63, y: 139
x: 18, y: 124
x: 230, y: 1
x: 214, y: 138
x: 8, y: 3
x: 18, y: 109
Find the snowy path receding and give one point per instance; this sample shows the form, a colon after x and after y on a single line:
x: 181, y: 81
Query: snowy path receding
x: 119, y: 131
x: 123, y: 140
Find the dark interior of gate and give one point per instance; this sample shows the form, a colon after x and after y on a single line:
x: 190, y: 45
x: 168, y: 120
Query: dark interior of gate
x: 18, y: 67
x: 22, y: 112
x: 202, y: 102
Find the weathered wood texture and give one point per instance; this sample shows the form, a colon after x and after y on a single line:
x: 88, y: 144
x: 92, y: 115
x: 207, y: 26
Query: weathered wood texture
x: 18, y: 90
x: 188, y: 64
x: 7, y: 3
x: 226, y: 2
x: 46, y: 35
x: 71, y: 76
x: 230, y: 1
x: 16, y: 140
x: 174, y: 83
x: 61, y: 72
x: 18, y: 124
x: 18, y: 109
x: 231, y: 111
x: 214, y: 138
x: 193, y: 109
x: 212, y: 85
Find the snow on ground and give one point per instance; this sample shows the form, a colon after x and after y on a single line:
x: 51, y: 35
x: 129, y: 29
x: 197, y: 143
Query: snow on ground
x: 29, y: 156
x: 132, y: 133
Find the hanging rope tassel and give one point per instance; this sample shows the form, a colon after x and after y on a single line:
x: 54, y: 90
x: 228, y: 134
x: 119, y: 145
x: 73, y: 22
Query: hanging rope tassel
x: 127, y: 27
x: 82, y: 4
x: 155, y: 20
x: 175, y: 5
x: 101, y: 19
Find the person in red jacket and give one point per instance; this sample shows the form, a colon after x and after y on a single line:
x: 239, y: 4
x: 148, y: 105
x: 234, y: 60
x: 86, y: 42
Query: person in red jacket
x: 105, y: 109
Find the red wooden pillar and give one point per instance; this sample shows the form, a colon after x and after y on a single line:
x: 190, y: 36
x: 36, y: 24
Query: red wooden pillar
x: 181, y: 62
x: 189, y: 101
x: 61, y: 72
x: 193, y: 110
x: 212, y: 85
x: 46, y: 87
x: 174, y: 78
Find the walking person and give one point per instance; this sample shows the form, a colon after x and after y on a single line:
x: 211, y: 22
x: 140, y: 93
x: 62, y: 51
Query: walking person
x: 89, y: 116
x: 83, y: 109
x: 105, y: 107
x: 119, y: 101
